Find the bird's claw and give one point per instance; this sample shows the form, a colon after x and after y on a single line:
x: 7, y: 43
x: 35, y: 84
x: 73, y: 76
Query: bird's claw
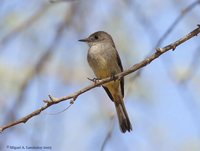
x: 95, y: 80
x: 113, y: 77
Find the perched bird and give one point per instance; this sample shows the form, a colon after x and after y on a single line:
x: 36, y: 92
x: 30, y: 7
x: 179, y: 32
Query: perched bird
x: 105, y: 62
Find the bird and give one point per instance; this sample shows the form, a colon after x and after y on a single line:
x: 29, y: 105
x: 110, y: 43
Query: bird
x: 105, y: 62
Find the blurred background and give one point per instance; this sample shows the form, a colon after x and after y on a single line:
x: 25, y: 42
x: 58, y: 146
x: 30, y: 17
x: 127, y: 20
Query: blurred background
x: 40, y: 55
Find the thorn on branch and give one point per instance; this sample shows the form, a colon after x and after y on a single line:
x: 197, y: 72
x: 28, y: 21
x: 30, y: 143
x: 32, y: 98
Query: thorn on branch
x: 52, y: 99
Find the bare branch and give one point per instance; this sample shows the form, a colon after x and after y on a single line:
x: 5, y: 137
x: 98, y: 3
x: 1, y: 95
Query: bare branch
x: 74, y: 96
x: 176, y: 21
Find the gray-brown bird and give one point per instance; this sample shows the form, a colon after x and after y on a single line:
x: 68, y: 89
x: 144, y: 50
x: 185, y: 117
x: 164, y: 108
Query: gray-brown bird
x: 105, y: 62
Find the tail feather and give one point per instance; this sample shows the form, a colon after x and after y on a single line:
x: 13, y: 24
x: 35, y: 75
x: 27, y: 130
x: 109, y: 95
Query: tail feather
x: 124, y: 122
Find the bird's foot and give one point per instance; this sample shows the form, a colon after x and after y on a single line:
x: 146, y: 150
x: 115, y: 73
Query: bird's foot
x: 113, y: 77
x: 95, y: 80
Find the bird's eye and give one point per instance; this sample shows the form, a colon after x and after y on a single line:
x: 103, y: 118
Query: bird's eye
x: 96, y: 37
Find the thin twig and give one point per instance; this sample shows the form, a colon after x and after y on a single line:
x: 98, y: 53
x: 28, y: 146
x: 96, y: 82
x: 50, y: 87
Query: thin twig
x: 74, y: 96
x: 176, y: 21
x: 108, y: 134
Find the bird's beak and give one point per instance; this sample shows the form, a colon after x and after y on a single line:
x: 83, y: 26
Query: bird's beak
x: 84, y: 40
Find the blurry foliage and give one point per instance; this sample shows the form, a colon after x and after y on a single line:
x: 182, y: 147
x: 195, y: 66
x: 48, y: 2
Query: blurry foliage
x: 28, y: 30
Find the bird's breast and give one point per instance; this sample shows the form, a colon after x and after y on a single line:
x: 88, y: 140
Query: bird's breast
x: 102, y: 60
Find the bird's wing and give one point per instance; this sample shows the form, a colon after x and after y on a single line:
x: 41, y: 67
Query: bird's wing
x: 121, y: 67
x: 108, y: 92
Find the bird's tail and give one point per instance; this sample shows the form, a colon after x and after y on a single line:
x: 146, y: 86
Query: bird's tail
x: 124, y: 122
